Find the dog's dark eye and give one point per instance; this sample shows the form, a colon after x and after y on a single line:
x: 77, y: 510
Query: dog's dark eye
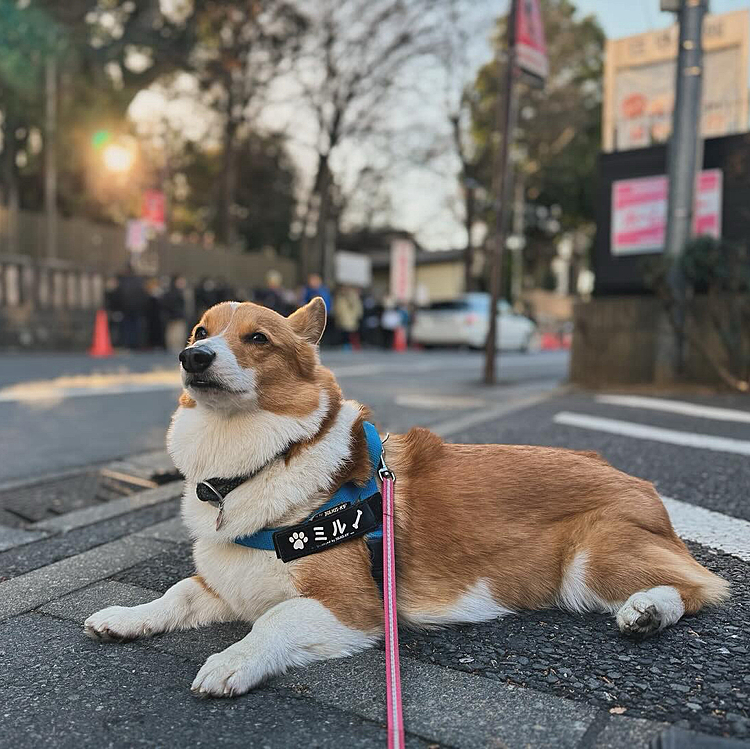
x: 200, y: 332
x: 256, y: 338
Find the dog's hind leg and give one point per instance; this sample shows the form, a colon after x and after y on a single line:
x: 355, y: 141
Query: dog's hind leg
x: 293, y: 633
x: 188, y: 603
x: 650, y: 580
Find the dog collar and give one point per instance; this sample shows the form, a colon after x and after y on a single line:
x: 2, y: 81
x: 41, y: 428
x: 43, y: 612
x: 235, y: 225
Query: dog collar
x: 215, y: 490
x: 351, y: 512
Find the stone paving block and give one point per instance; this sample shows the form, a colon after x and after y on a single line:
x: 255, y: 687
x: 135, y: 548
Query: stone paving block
x: 193, y: 644
x: 169, y: 530
x: 14, y: 562
x: 621, y: 731
x: 29, y: 591
x: 197, y: 644
x: 61, y: 689
x: 144, y: 464
x: 78, y: 606
x: 90, y: 515
x: 448, y: 706
x: 161, y: 573
x: 12, y: 537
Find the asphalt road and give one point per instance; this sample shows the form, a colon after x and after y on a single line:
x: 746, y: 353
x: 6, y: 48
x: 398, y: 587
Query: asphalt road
x: 67, y: 410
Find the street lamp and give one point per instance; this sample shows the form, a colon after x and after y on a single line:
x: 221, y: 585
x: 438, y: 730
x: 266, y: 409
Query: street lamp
x: 118, y: 158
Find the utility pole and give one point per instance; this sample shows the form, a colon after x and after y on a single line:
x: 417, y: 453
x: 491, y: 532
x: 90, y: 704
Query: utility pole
x: 685, y: 148
x: 519, y: 242
x: 50, y: 149
x: 502, y: 188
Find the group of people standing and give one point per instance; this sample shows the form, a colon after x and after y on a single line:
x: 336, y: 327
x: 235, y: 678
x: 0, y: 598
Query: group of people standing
x: 147, y: 312
x: 154, y: 313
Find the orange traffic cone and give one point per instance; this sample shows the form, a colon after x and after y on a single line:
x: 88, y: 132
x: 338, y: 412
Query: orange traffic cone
x: 101, y: 345
x: 399, y: 339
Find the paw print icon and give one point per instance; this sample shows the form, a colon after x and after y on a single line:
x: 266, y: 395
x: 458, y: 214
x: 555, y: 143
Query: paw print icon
x: 298, y: 540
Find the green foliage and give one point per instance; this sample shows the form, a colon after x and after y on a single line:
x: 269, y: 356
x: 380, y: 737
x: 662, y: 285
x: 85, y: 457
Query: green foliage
x: 717, y: 265
x: 265, y: 197
x: 559, y: 128
x: 717, y: 303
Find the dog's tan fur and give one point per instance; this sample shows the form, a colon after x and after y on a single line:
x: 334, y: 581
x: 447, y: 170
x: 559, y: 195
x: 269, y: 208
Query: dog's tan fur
x: 481, y: 530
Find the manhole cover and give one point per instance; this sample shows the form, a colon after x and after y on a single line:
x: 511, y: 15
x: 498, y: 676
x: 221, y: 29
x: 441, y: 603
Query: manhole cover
x: 30, y: 503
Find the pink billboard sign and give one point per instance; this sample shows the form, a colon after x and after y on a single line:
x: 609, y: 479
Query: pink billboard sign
x: 639, y: 211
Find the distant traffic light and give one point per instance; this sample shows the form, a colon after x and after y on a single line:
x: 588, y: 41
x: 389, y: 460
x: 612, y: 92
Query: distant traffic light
x: 100, y: 139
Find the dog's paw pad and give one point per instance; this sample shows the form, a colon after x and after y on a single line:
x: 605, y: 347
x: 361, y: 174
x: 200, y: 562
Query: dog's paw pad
x: 639, y: 619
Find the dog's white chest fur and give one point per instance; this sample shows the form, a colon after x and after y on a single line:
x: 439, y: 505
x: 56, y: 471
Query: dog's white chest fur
x: 250, y: 580
x: 206, y: 444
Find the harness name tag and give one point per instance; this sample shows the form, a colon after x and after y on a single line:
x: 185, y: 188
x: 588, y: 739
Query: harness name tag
x: 327, y: 529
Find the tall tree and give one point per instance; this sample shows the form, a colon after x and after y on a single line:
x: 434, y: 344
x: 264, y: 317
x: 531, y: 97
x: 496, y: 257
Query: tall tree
x: 106, y: 51
x: 558, y: 135
x: 25, y: 35
x: 460, y: 27
x: 243, y: 47
x: 265, y: 198
x: 354, y: 61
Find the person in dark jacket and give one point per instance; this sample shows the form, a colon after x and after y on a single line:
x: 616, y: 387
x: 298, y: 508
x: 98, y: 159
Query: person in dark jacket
x: 155, y: 318
x: 272, y: 295
x: 174, y: 305
x: 131, y: 300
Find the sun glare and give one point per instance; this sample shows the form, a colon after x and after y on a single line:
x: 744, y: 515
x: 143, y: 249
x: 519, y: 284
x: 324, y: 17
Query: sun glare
x: 118, y: 158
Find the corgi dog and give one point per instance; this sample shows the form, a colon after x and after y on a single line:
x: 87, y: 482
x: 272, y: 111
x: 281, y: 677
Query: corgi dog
x: 482, y: 531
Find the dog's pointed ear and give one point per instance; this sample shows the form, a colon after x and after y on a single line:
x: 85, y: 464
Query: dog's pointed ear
x: 309, y: 321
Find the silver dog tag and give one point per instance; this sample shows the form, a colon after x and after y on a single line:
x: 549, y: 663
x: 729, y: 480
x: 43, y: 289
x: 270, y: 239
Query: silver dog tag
x: 220, y: 517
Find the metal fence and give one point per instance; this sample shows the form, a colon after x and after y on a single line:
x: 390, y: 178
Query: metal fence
x: 48, y: 285
x: 87, y: 251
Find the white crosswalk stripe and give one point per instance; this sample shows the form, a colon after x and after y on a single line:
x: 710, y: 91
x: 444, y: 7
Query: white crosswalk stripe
x: 657, y: 434
x: 713, y: 529
x: 676, y: 407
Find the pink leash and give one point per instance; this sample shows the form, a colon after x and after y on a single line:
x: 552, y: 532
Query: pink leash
x: 392, y: 668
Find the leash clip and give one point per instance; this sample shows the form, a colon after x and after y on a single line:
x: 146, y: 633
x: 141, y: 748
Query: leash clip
x: 384, y: 472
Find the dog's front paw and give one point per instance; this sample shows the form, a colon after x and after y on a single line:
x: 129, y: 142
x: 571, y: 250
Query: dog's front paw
x: 117, y: 623
x: 230, y: 673
x: 639, y: 617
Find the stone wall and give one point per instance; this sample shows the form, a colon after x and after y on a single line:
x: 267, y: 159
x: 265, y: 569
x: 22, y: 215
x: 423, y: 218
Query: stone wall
x: 614, y: 343
x: 35, y: 329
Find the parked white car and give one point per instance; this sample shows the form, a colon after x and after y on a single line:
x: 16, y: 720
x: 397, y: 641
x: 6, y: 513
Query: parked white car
x: 465, y: 321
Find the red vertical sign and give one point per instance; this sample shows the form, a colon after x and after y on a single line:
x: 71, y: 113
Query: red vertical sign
x: 531, y: 47
x: 153, y: 210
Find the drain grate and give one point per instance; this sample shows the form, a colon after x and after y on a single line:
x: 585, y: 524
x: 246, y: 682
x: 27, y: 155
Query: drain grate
x: 30, y: 503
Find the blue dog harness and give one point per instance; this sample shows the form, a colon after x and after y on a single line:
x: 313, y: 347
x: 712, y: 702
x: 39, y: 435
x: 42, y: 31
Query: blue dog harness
x: 353, y: 511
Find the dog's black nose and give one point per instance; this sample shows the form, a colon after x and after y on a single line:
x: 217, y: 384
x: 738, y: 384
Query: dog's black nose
x: 196, y: 360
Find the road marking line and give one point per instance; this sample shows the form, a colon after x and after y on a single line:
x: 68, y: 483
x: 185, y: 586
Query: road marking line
x: 438, y: 401
x: 461, y: 423
x: 56, y: 395
x: 657, y: 434
x: 358, y: 370
x: 723, y: 532
x: 677, y: 407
